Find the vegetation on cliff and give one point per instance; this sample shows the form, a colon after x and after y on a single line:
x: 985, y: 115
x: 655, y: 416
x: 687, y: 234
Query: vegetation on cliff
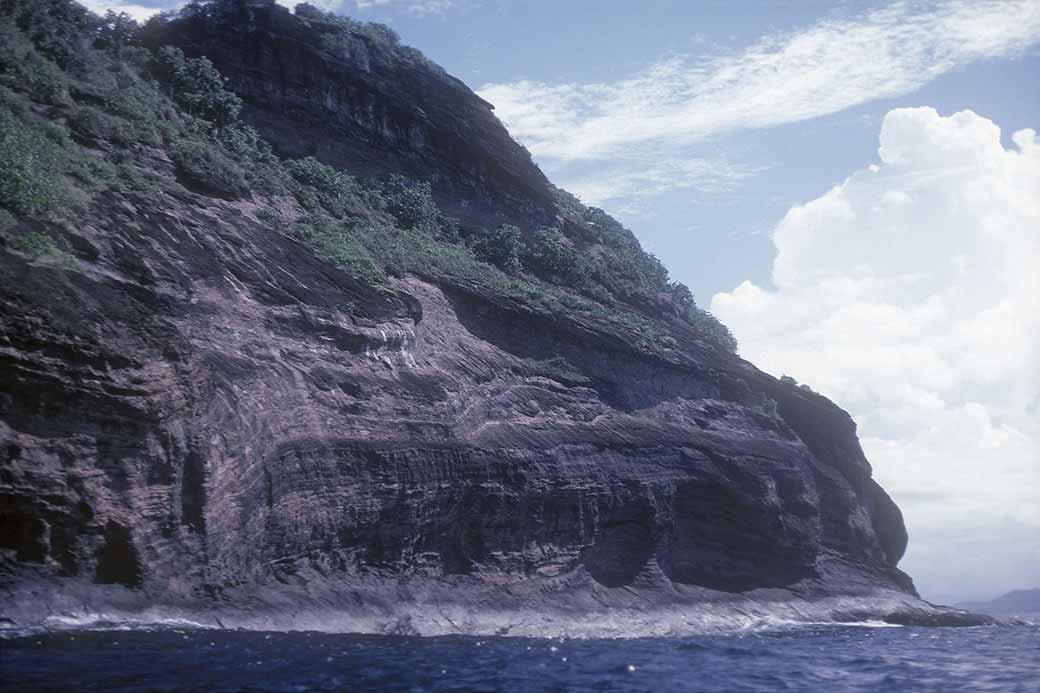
x: 86, y: 108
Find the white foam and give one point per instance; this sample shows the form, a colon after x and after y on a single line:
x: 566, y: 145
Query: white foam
x: 117, y: 621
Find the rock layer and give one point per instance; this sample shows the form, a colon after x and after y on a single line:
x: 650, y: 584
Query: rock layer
x: 208, y: 405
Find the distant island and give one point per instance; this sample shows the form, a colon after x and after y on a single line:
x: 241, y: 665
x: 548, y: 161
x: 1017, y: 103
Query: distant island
x: 1014, y: 603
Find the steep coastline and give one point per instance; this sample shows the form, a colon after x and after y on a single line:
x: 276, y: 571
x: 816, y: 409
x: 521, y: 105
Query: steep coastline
x: 202, y: 417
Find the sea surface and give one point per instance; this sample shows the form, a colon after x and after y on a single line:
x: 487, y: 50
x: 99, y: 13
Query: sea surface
x: 829, y: 658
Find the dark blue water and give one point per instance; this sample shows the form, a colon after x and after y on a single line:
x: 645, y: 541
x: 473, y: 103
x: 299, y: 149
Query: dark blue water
x: 803, y: 658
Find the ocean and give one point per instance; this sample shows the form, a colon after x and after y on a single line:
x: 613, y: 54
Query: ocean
x: 860, y: 657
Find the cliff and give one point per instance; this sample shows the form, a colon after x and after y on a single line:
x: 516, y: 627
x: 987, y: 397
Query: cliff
x: 351, y: 95
x: 259, y: 404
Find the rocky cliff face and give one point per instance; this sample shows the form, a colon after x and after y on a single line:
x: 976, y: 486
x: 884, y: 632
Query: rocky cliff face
x: 360, y: 101
x: 205, y: 417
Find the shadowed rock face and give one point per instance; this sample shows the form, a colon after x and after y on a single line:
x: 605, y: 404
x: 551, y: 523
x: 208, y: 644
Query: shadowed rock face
x: 206, y: 410
x: 368, y: 108
x: 209, y: 414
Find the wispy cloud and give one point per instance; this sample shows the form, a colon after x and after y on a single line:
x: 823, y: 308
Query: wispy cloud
x: 825, y: 68
x: 413, y: 7
x: 419, y: 7
x: 637, y: 179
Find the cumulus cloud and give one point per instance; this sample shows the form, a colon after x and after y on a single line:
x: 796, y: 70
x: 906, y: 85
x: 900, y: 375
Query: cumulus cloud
x: 909, y: 294
x: 822, y: 69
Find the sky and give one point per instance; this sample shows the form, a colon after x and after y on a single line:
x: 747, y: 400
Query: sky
x: 852, y: 187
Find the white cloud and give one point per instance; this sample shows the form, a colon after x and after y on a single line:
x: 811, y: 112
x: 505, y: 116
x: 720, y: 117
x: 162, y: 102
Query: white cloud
x: 140, y: 13
x: 415, y: 7
x: 910, y: 295
x: 635, y: 180
x: 828, y: 67
x: 327, y: 5
x: 420, y: 7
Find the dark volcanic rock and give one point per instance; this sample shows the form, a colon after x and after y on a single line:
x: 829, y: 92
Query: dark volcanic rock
x: 205, y: 417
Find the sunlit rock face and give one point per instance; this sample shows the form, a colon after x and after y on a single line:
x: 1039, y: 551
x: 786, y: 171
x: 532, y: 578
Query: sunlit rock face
x: 216, y: 420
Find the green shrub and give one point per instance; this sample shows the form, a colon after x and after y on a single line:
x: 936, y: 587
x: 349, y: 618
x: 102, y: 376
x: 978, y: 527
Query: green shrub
x: 335, y: 242
x: 142, y: 108
x: 95, y: 124
x: 46, y: 83
x: 264, y: 171
x: 93, y: 171
x: 202, y: 163
x: 268, y: 216
x: 129, y: 178
x: 198, y: 86
x: 34, y: 244
x: 712, y: 330
x: 551, y: 255
x: 116, y: 31
x: 412, y: 205
x: 707, y: 325
x: 23, y: 68
x: 55, y: 27
x: 32, y: 165
x: 502, y: 247
x: 682, y: 297
x: 379, y: 35
x: 322, y: 186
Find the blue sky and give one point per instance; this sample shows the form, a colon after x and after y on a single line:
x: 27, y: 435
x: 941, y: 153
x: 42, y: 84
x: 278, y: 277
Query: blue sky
x: 589, y: 42
x: 853, y: 187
